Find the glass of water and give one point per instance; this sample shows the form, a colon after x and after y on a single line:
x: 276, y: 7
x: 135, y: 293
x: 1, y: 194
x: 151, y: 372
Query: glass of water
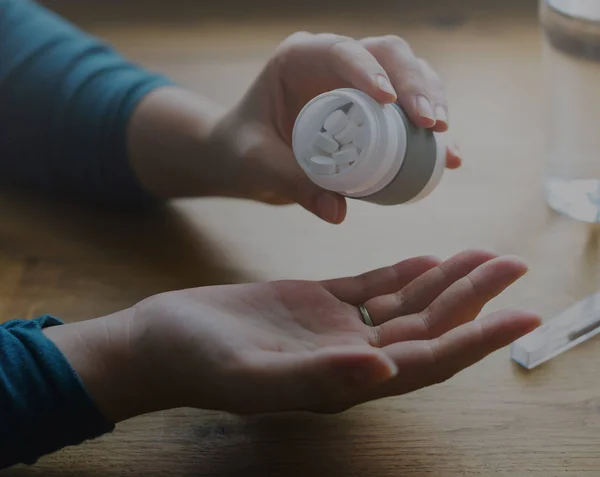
x: 571, y: 62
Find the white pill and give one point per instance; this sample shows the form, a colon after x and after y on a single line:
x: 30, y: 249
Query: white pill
x: 342, y: 168
x: 336, y: 122
x: 326, y: 143
x: 345, y: 155
x: 356, y: 115
x: 322, y: 165
x: 361, y: 138
x: 347, y: 135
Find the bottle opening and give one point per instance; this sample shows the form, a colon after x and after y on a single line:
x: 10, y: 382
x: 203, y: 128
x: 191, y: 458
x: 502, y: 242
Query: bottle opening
x: 335, y: 138
x: 347, y: 142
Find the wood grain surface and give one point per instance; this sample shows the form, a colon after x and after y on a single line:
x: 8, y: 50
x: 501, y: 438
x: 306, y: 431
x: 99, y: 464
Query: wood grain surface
x: 492, y: 419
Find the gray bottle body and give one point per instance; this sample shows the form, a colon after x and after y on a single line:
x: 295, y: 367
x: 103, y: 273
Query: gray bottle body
x: 417, y: 168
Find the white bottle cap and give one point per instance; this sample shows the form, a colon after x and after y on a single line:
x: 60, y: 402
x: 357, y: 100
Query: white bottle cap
x: 380, y: 156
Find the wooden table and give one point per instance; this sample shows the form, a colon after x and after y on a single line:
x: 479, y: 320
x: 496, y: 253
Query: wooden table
x: 492, y: 419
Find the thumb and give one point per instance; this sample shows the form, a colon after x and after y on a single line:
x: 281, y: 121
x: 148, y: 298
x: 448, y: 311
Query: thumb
x: 290, y: 181
x: 354, y: 368
x: 332, y: 378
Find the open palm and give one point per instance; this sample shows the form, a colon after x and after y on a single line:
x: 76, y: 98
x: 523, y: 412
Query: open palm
x: 299, y: 345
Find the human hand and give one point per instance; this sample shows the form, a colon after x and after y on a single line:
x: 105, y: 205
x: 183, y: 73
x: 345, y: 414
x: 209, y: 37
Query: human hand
x: 259, y: 129
x: 298, y: 345
x: 183, y: 145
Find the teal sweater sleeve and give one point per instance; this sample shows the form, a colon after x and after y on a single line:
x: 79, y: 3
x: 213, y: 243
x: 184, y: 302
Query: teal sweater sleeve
x: 65, y: 102
x: 43, y: 404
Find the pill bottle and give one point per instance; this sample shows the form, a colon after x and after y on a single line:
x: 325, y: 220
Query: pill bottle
x: 348, y: 143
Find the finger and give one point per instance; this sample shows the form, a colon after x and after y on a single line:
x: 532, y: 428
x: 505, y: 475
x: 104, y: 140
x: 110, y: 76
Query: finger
x: 423, y: 363
x: 420, y: 293
x: 436, y: 95
x: 338, y: 61
x: 357, y: 66
x: 282, y: 174
x: 358, y: 290
x: 350, y: 365
x: 453, y: 157
x: 460, y: 303
x: 407, y: 76
x: 326, y: 379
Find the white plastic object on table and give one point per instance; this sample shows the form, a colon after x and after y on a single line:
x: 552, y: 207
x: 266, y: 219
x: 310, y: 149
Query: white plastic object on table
x: 566, y: 330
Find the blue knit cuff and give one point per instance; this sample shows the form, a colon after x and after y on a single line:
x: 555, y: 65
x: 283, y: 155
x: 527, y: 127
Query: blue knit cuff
x: 44, y: 405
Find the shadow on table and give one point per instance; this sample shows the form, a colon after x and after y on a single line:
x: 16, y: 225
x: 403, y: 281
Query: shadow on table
x: 350, y: 444
x: 79, y: 262
x: 353, y: 444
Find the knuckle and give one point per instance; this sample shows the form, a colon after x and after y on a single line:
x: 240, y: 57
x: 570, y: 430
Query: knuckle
x: 480, y: 331
x: 369, y: 40
x: 387, y: 45
x: 438, y: 99
x: 424, y: 64
x: 411, y: 82
x: 441, y: 373
x: 400, y: 302
x: 295, y: 39
x: 395, y: 272
x: 375, y: 336
x: 394, y: 42
x: 432, y: 260
x: 425, y: 317
x: 474, y: 285
x: 363, y: 281
x: 334, y: 38
x: 432, y: 76
x: 291, y: 44
x: 341, y: 50
x: 445, y: 271
x: 341, y: 45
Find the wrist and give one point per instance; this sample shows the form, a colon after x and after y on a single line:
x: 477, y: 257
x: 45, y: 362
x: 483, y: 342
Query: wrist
x: 104, y: 354
x: 172, y: 146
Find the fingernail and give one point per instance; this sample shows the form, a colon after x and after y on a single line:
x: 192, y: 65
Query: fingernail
x: 328, y: 207
x: 384, y: 85
x: 517, y: 260
x: 441, y: 114
x: 454, y: 150
x: 424, y: 108
x: 369, y: 374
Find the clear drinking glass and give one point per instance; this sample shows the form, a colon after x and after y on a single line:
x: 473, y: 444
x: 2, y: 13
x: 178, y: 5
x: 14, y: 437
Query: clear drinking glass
x: 571, y: 62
